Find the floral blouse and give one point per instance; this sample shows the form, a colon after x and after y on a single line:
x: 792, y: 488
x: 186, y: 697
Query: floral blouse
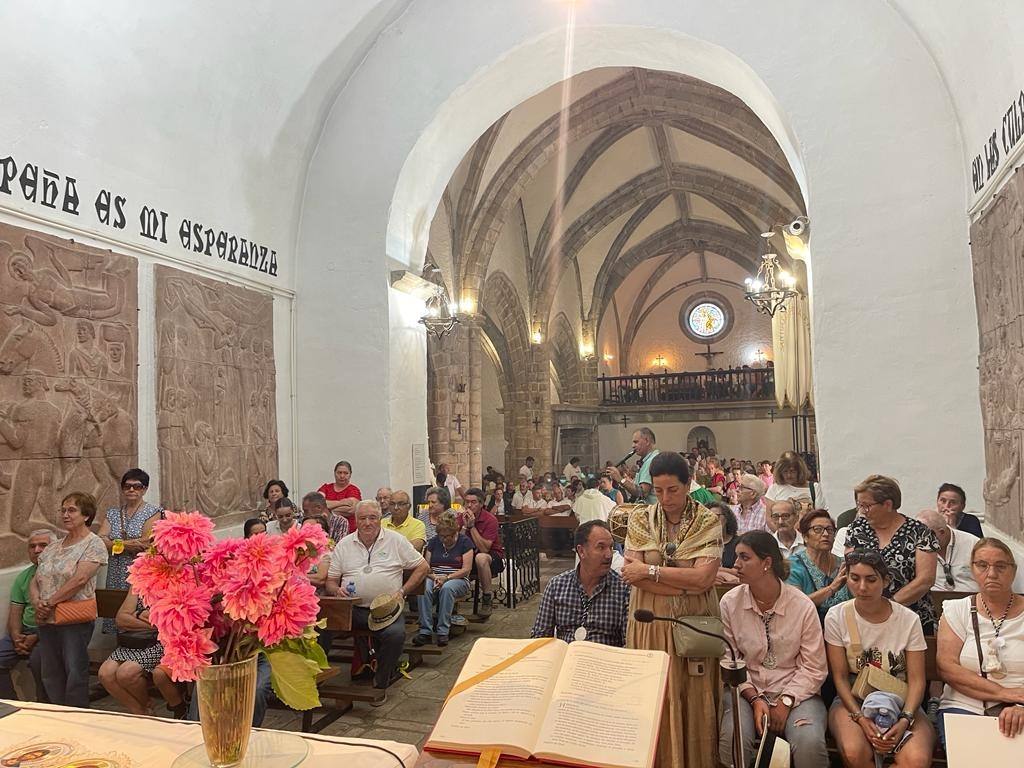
x: 901, y: 557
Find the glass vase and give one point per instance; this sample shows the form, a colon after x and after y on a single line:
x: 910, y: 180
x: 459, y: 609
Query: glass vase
x: 227, y: 695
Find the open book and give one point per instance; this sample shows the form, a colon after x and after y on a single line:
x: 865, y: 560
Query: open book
x: 581, y: 704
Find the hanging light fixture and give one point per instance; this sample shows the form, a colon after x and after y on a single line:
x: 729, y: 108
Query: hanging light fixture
x: 440, y: 317
x: 771, y: 287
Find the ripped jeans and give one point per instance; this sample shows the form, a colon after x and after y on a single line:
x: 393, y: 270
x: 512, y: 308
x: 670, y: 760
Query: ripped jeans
x: 805, y: 732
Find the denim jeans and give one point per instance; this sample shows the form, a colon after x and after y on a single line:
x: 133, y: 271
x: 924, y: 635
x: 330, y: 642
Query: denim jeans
x: 388, y: 643
x: 263, y: 693
x: 446, y: 596
x: 64, y: 657
x: 9, y: 659
x: 805, y: 732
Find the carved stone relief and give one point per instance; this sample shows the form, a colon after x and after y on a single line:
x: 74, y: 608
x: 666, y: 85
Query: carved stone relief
x: 216, y: 407
x: 997, y: 250
x: 68, y: 378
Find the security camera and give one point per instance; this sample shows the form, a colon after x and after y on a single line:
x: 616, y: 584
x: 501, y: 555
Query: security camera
x: 798, y: 226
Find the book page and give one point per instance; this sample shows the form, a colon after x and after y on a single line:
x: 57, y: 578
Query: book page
x: 506, y: 709
x: 606, y: 707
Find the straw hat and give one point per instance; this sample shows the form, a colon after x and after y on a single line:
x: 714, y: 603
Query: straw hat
x: 383, y: 611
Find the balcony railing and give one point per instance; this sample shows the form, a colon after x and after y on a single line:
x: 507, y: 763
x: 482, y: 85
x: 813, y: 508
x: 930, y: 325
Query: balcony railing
x: 732, y: 385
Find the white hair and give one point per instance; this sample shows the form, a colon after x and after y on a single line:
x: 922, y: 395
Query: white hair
x: 370, y: 503
x: 44, y: 532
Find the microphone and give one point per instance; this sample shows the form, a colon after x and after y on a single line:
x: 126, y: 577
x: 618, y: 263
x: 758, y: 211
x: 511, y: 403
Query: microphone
x: 625, y: 458
x: 734, y: 675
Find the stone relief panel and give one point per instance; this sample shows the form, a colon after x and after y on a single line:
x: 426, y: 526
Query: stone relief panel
x: 997, y: 250
x: 216, y: 400
x: 68, y: 378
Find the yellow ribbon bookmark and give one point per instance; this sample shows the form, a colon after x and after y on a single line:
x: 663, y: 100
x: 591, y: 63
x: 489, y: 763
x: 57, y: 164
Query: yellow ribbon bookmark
x: 488, y: 758
x: 500, y: 666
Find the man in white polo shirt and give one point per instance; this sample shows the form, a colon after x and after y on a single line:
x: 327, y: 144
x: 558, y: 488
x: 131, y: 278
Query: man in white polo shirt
x: 955, y: 546
x: 370, y: 563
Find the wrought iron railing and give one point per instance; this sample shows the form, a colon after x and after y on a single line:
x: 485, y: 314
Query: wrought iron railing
x: 522, y: 552
x: 734, y: 384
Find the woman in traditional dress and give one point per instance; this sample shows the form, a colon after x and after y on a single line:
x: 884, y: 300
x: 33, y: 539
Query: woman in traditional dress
x: 673, y: 551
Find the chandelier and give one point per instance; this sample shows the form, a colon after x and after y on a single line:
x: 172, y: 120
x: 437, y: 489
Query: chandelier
x: 771, y: 287
x: 440, y: 314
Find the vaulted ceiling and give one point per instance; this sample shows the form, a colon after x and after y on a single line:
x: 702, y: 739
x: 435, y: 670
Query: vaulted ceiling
x: 614, y: 173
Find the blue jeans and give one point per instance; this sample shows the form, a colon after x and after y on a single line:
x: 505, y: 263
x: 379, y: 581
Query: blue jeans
x: 387, y: 642
x: 940, y: 722
x: 64, y: 657
x: 806, y: 740
x: 446, y: 596
x: 263, y: 692
x: 9, y: 659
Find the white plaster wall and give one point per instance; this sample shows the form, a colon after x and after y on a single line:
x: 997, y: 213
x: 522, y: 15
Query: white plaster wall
x: 874, y: 143
x: 753, y: 439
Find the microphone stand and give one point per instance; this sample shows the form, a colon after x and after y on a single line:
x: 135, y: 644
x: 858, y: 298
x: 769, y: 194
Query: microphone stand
x: 734, y: 674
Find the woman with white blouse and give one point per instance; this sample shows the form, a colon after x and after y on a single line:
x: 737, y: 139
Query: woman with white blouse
x: 981, y: 644
x: 793, y: 482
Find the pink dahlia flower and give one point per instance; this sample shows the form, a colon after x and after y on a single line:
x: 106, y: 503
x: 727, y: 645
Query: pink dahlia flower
x: 294, y: 610
x: 305, y: 546
x: 151, y: 575
x: 218, y: 561
x: 183, y: 535
x: 182, y: 607
x: 261, y: 557
x: 186, y: 655
x: 249, y: 598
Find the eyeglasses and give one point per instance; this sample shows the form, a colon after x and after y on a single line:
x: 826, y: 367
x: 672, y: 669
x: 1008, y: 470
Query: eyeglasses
x: 822, y: 529
x: 1000, y: 568
x: 947, y: 570
x: 402, y: 504
x: 783, y: 515
x: 132, y: 486
x: 866, y: 507
x: 866, y: 557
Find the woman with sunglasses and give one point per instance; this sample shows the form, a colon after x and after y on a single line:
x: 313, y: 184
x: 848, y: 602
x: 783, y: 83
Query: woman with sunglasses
x: 776, y: 629
x: 873, y: 630
x: 983, y: 663
x: 908, y: 546
x: 814, y: 570
x: 126, y: 531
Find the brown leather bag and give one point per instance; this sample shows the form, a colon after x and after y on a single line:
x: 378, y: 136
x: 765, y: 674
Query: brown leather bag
x: 75, y: 611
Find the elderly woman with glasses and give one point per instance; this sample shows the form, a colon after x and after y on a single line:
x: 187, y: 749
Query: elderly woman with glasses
x: 815, y: 571
x: 126, y: 530
x: 873, y: 630
x: 908, y: 546
x: 981, y: 644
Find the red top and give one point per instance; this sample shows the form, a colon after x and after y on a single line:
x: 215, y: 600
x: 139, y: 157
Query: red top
x: 487, y: 526
x: 350, y: 491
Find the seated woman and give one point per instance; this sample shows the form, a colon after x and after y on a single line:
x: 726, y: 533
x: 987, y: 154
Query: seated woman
x: 126, y: 673
x: 814, y: 570
x: 253, y: 526
x: 908, y: 546
x: 983, y: 663
x: 776, y: 629
x: 450, y: 557
x: 875, y: 630
x: 274, y: 491
x: 726, y: 572
x: 318, y: 571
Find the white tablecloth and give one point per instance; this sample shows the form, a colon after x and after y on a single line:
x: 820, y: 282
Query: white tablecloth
x: 128, y: 741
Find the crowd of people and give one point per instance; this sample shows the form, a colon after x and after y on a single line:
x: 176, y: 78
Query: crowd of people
x: 826, y: 610
x: 830, y: 614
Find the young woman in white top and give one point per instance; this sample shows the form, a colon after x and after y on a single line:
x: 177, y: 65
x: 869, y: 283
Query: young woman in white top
x: 874, y: 630
x: 997, y: 683
x: 793, y: 482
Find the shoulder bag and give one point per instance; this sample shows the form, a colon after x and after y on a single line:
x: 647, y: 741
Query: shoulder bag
x: 693, y: 645
x: 870, y: 678
x: 992, y: 710
x: 75, y: 611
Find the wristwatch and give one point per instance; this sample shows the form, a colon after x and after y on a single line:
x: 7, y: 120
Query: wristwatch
x: 908, y: 716
x: 652, y: 571
x: 855, y: 716
x: 788, y: 700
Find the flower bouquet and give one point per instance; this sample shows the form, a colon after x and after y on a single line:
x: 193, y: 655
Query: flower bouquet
x: 219, y: 602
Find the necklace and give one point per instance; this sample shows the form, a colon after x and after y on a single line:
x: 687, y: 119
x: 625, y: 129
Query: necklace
x: 770, y: 662
x: 995, y: 666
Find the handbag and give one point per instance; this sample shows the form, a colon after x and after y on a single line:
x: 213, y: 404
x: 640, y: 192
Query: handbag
x: 75, y: 611
x: 694, y: 645
x: 137, y: 639
x: 992, y: 710
x: 870, y: 678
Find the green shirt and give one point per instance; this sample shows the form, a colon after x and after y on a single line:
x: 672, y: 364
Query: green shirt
x: 19, y: 596
x: 703, y: 496
x: 643, y: 475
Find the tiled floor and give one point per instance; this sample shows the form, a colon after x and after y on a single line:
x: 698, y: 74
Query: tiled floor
x: 413, y: 704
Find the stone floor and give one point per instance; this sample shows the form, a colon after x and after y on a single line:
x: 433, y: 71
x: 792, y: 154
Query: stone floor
x: 413, y: 704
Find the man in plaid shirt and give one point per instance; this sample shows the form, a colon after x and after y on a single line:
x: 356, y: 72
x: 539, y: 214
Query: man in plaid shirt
x: 590, y: 602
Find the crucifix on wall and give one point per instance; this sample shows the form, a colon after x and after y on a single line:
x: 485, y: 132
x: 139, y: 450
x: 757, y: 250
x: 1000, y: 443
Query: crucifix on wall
x: 708, y: 356
x: 458, y: 422
x: 624, y: 420
x: 536, y: 423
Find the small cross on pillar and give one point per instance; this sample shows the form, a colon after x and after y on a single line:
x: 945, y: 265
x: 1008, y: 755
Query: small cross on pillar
x: 458, y: 422
x: 624, y: 420
x: 536, y: 423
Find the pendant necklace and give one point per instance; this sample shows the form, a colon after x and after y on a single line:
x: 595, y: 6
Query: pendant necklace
x: 369, y: 568
x: 770, y: 662
x: 995, y: 666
